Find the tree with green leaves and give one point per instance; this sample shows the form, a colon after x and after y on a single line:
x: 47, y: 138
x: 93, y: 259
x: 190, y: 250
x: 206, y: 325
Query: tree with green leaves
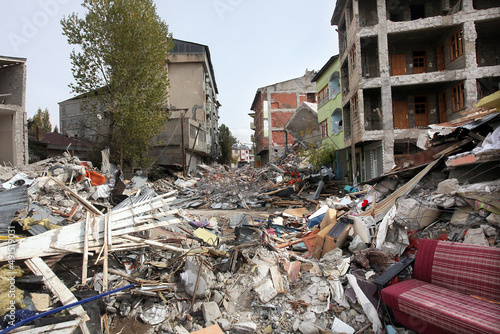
x: 40, y: 120
x: 121, y: 70
x: 226, y: 142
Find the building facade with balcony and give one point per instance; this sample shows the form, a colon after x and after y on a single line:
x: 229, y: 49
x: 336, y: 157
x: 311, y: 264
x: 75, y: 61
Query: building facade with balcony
x: 406, y: 65
x: 191, y: 133
x: 195, y: 108
x: 271, y: 108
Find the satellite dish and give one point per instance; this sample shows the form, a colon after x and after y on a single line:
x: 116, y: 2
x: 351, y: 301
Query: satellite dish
x: 99, y: 116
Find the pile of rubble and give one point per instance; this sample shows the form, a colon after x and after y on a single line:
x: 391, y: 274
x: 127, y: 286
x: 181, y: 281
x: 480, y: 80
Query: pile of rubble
x: 292, y: 252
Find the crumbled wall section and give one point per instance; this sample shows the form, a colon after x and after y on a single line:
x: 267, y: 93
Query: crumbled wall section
x: 13, y: 118
x: 281, y: 100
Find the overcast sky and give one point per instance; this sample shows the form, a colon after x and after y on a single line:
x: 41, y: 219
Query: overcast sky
x: 253, y: 43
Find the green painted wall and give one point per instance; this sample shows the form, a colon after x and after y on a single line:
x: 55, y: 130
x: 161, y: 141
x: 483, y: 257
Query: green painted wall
x: 325, y: 111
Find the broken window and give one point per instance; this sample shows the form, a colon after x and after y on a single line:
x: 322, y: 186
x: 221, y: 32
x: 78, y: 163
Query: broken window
x: 323, y: 96
x: 345, y: 78
x: 354, y: 106
x: 334, y: 85
x: 352, y: 57
x: 456, y: 49
x: 324, y: 129
x: 337, y: 121
x: 347, y: 122
x: 457, y: 97
x: 192, y: 130
x: 311, y: 97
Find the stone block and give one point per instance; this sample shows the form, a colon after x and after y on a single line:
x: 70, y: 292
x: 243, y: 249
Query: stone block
x: 244, y: 328
x: 265, y: 290
x: 211, y: 312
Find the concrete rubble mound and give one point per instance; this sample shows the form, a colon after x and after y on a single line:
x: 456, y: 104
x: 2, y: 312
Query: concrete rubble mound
x: 278, y: 249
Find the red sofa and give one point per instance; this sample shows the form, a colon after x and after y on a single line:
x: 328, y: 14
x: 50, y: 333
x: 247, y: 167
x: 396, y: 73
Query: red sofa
x: 455, y: 289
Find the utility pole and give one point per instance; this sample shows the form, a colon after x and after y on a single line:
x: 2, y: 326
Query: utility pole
x: 194, y: 144
x: 183, y: 152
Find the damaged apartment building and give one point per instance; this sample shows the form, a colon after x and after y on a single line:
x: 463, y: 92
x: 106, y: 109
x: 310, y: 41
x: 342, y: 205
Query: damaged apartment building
x: 271, y: 108
x: 191, y: 133
x: 408, y: 64
x: 13, y: 126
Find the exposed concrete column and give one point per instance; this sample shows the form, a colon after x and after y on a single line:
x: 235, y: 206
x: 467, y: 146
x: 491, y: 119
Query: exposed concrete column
x: 469, y: 45
x: 388, y: 151
x: 270, y: 125
x: 386, y: 91
x: 384, y: 65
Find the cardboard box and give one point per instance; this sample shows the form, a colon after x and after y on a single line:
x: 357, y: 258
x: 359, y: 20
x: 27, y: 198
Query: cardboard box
x: 334, y: 235
x: 329, y: 218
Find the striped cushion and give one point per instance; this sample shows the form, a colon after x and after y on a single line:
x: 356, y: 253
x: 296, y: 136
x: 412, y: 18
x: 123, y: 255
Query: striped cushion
x: 435, y: 307
x: 470, y: 269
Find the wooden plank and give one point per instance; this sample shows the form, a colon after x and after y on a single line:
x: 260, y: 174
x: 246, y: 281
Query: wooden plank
x: 58, y: 288
x: 154, y: 243
x: 475, y: 116
x: 107, y: 222
x: 72, y: 236
x: 86, y: 248
x: 67, y: 327
x: 452, y: 148
x: 277, y: 279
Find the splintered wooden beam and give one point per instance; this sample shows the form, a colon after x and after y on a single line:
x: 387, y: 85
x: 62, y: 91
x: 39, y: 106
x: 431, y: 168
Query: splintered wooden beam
x: 58, y: 288
x: 70, y: 238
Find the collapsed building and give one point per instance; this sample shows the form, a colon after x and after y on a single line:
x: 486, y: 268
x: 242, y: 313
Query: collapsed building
x: 271, y: 108
x: 277, y: 249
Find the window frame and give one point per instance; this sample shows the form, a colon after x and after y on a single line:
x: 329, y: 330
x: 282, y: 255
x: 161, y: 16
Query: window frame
x: 456, y: 45
x: 458, y: 97
x: 354, y: 105
x: 324, y: 128
x: 352, y: 56
x: 323, y: 95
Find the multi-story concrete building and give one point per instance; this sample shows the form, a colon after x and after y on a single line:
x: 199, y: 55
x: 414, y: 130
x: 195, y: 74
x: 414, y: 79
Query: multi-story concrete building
x: 272, y: 107
x: 191, y: 133
x: 408, y: 64
x: 13, y: 118
x: 193, y: 101
x: 330, y: 115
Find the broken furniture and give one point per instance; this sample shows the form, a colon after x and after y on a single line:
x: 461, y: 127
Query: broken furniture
x: 455, y: 289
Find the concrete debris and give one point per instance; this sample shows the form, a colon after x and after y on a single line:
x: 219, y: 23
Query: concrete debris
x: 276, y: 249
